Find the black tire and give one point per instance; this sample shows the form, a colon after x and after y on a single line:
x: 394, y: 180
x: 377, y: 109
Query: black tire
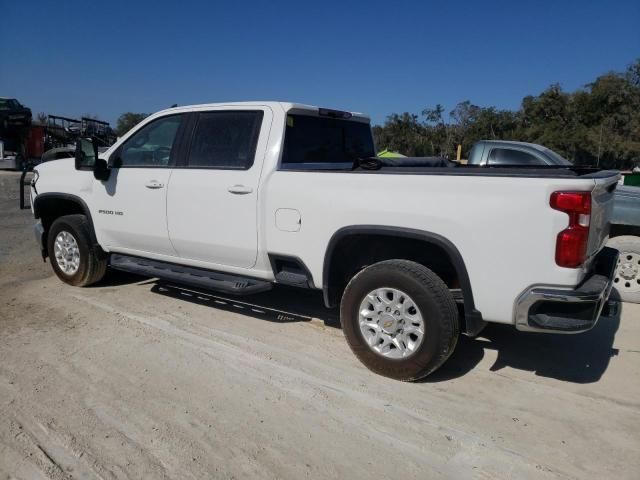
x: 436, y: 305
x: 93, y: 261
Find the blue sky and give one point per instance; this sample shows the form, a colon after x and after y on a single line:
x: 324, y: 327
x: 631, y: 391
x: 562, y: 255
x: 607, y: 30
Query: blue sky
x: 76, y: 57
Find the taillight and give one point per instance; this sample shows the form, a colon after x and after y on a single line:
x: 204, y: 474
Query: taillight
x: 571, y: 244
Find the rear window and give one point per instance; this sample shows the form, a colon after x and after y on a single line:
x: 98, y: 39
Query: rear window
x: 557, y: 158
x: 319, y: 142
x: 511, y: 157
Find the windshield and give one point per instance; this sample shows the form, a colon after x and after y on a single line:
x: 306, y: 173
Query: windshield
x: 8, y: 103
x: 320, y: 142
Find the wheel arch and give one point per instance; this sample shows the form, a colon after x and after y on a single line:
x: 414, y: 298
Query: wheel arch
x: 47, y: 207
x: 620, y: 229
x: 473, y: 317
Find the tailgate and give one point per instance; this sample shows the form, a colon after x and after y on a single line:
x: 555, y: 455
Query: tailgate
x: 601, y: 212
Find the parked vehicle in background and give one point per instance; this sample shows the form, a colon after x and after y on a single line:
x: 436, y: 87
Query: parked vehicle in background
x: 625, y: 236
x: 9, y: 159
x: 236, y: 197
x: 15, y: 121
x: 64, y: 131
x: 625, y: 219
x: 24, y: 143
x: 13, y: 115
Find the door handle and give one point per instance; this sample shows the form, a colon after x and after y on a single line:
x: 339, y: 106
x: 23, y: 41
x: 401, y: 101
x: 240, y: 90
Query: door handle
x: 153, y: 184
x: 240, y: 189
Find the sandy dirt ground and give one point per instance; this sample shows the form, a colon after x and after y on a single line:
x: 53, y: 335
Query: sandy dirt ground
x: 133, y: 379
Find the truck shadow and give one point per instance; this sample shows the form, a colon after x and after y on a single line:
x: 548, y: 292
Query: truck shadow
x: 581, y: 358
x: 281, y: 304
x: 115, y: 278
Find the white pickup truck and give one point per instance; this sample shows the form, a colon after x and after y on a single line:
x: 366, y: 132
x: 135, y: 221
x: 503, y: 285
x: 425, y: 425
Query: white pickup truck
x: 236, y: 197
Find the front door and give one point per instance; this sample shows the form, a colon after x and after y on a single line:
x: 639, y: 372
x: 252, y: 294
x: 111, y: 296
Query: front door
x: 212, y: 199
x: 130, y: 213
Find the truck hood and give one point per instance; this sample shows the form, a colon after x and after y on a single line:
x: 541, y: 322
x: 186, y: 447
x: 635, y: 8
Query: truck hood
x: 61, y: 164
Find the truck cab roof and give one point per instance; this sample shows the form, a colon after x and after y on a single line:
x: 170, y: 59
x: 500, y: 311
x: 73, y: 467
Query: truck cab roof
x: 482, y: 150
x: 285, y: 106
x: 513, y: 143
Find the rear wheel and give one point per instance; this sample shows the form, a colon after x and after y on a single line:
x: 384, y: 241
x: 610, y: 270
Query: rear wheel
x: 399, y: 319
x: 73, y: 257
x: 627, y: 277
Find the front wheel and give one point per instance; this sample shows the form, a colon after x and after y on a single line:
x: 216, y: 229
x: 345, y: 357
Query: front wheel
x: 627, y: 277
x: 73, y: 257
x: 399, y: 319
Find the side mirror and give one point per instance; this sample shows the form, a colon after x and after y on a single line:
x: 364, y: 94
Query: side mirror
x: 101, y: 170
x: 86, y: 157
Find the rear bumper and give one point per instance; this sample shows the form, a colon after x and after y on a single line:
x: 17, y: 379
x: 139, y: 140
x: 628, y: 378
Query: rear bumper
x: 543, y: 308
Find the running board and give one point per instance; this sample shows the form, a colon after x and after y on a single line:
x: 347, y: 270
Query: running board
x: 195, y: 277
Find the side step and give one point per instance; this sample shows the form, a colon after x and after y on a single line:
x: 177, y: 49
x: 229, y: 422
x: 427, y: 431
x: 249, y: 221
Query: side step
x: 195, y: 277
x: 292, y: 278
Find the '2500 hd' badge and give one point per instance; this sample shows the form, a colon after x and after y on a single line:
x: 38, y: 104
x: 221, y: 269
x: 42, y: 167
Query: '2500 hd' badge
x: 110, y: 212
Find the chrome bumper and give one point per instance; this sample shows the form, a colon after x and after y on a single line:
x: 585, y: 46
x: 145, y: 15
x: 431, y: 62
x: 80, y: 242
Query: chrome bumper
x: 550, y: 309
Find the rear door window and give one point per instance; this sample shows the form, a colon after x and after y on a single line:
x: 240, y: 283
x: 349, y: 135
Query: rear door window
x: 319, y: 142
x: 225, y: 139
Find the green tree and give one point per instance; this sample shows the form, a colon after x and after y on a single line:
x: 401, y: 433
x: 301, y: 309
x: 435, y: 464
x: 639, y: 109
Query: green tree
x: 437, y: 131
x: 402, y: 133
x: 127, y: 121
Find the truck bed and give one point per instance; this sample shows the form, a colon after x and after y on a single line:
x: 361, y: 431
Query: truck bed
x: 464, y: 170
x: 498, y: 218
x: 443, y: 166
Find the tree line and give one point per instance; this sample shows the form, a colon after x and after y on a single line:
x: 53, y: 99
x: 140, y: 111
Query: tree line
x: 597, y: 125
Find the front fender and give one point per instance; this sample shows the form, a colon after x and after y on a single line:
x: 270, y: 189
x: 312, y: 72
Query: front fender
x: 51, y: 205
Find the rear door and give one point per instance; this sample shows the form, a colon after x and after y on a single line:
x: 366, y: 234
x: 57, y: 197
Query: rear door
x: 213, y: 192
